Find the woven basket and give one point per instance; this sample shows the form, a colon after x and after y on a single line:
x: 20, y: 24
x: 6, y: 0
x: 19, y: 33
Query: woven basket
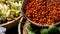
x: 19, y: 26
x: 39, y: 25
x: 23, y: 29
x: 12, y: 23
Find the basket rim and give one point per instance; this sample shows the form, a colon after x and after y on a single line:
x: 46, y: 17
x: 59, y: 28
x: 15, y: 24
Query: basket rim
x: 41, y: 24
x: 34, y: 22
x: 9, y: 22
x: 19, y: 26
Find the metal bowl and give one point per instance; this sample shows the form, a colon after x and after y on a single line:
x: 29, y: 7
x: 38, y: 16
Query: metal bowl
x: 23, y: 5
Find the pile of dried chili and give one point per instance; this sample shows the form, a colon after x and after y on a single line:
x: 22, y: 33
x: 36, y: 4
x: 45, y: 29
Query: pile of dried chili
x: 45, y: 12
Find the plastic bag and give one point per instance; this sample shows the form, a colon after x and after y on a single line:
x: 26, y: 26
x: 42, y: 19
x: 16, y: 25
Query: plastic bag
x: 2, y: 30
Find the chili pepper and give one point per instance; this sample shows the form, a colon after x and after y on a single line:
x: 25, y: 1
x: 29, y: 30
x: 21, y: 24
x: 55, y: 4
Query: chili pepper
x: 43, y: 11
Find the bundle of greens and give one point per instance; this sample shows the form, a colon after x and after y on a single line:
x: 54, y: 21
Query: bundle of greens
x: 50, y: 30
x: 30, y: 30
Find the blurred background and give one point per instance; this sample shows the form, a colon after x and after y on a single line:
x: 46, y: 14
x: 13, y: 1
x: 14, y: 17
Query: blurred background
x: 13, y: 30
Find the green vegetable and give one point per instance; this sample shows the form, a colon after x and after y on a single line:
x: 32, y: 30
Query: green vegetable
x: 59, y: 29
x: 16, y: 7
x: 31, y: 32
x: 53, y: 29
x: 29, y: 27
x: 9, y: 9
x: 44, y: 31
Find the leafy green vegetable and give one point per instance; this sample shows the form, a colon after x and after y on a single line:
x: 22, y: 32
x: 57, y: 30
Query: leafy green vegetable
x: 31, y: 32
x: 50, y: 30
x: 3, y: 15
x: 59, y: 29
x: 44, y: 31
x: 16, y: 7
x: 9, y: 10
x: 53, y: 29
x: 29, y: 27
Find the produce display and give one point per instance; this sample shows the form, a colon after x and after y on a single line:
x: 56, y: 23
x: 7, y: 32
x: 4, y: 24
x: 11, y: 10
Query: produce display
x: 38, y: 16
x: 9, y: 10
x: 45, y: 12
x: 50, y: 30
x: 29, y: 28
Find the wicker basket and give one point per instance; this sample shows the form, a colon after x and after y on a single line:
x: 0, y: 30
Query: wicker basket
x: 19, y: 26
x: 12, y: 23
x: 22, y: 28
x: 19, y: 31
x: 40, y: 25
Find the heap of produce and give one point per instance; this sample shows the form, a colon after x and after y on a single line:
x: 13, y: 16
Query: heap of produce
x: 9, y: 10
x: 48, y: 30
x: 45, y: 12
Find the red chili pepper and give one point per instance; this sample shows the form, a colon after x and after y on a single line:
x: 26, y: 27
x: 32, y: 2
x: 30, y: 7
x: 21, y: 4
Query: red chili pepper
x: 43, y: 11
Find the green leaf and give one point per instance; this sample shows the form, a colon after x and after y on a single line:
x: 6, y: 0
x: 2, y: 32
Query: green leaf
x: 29, y: 27
x: 53, y: 29
x: 3, y: 15
x: 31, y: 32
x: 44, y: 31
x: 59, y: 29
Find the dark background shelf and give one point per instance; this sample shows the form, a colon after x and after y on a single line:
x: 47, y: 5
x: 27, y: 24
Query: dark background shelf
x: 13, y: 30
